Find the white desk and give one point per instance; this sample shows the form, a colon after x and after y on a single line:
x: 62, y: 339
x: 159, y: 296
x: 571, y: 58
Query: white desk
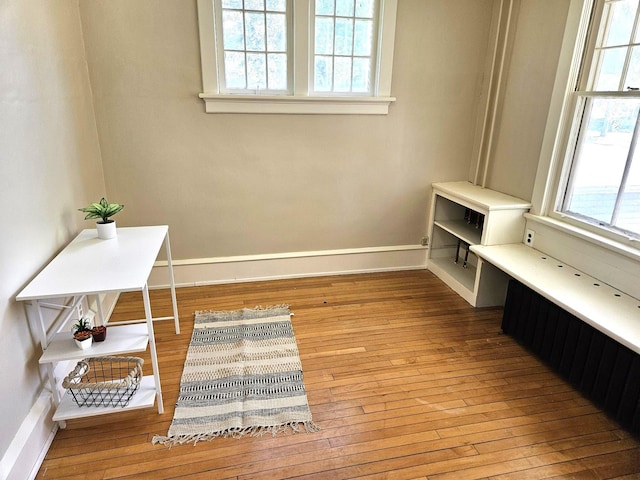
x: 90, y: 266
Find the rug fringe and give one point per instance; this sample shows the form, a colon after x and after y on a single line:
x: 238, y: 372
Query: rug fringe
x: 258, y: 307
x: 293, y: 427
x: 271, y: 307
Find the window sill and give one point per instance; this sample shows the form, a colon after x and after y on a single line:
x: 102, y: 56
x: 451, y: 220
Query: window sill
x: 630, y: 251
x: 215, y: 103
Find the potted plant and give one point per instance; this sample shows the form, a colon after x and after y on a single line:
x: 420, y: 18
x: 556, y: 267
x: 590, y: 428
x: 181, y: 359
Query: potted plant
x: 99, y: 333
x: 82, y: 333
x: 103, y: 210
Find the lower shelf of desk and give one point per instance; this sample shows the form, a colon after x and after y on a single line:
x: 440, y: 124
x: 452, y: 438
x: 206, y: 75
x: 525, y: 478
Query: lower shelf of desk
x: 120, y: 340
x: 145, y: 397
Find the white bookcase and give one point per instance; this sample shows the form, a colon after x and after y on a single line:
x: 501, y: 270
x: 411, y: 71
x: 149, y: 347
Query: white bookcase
x: 463, y: 215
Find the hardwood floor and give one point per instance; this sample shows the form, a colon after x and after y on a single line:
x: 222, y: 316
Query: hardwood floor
x: 405, y: 379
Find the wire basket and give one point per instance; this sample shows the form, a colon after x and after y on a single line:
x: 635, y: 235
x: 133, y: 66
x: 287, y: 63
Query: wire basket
x: 104, y: 381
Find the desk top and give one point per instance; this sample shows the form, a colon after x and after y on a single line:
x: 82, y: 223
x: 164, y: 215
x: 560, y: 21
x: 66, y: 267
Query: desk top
x: 612, y: 312
x: 89, y: 265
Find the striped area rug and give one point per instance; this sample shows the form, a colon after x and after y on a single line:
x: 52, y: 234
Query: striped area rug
x: 242, y: 376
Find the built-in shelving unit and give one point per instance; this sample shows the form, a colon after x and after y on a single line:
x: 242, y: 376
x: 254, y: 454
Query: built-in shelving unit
x: 463, y: 215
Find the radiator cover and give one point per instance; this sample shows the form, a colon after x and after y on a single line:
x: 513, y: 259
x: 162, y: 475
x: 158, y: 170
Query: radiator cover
x: 604, y: 370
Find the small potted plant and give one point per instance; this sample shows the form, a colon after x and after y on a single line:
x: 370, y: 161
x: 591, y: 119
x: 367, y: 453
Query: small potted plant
x: 99, y: 333
x: 103, y: 210
x: 82, y: 333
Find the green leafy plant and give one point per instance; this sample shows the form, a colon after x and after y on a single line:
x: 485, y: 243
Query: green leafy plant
x: 81, y: 329
x: 102, y: 209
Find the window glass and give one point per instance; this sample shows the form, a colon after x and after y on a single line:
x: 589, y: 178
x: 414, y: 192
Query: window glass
x: 233, y: 30
x: 622, y: 14
x: 254, y: 4
x: 610, y: 71
x: 363, y: 35
x: 254, y: 37
x: 344, y: 36
x: 344, y: 46
x: 365, y: 8
x: 344, y: 8
x: 277, y: 5
x: 231, y: 3
x: 325, y: 7
x: 255, y: 25
x: 628, y: 217
x: 602, y: 155
x: 324, y: 36
x: 276, y: 32
x: 361, y: 75
x: 323, y: 73
x: 235, y: 69
x: 633, y: 74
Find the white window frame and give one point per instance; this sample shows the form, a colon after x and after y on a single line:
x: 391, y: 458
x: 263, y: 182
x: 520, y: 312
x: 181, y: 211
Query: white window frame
x: 301, y: 101
x: 555, y: 159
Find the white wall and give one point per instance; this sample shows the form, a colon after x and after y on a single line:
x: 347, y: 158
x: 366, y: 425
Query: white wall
x: 535, y: 49
x: 49, y: 167
x: 232, y: 185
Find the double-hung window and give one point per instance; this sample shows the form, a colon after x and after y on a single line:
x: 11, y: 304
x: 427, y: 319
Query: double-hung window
x: 600, y: 185
x: 297, y: 56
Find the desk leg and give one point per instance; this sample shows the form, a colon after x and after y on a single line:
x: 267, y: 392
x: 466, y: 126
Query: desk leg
x: 55, y: 394
x: 172, y: 282
x: 99, y: 307
x: 152, y: 346
x: 43, y: 344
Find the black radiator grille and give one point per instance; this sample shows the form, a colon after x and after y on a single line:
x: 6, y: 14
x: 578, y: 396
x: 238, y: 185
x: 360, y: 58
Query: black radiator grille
x: 600, y: 367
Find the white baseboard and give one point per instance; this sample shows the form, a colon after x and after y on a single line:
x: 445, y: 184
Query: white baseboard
x: 29, y: 446
x: 248, y: 268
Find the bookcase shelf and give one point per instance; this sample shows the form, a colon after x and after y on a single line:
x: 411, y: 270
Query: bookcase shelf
x: 463, y: 215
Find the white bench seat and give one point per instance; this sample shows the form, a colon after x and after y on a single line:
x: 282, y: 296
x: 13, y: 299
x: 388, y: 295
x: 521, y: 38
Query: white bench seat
x: 608, y: 310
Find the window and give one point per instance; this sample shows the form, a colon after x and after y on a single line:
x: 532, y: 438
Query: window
x: 344, y: 46
x: 253, y: 42
x: 600, y: 187
x: 293, y: 56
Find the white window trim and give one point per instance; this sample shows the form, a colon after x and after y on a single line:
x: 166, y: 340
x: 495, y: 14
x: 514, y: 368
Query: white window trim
x: 300, y: 102
x: 552, y: 167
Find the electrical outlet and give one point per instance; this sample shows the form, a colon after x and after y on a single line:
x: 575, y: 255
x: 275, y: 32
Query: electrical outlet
x: 528, y: 237
x: 424, y: 241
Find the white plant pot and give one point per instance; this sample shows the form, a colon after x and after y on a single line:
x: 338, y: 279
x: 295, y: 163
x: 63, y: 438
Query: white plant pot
x: 106, y: 230
x: 84, y: 344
